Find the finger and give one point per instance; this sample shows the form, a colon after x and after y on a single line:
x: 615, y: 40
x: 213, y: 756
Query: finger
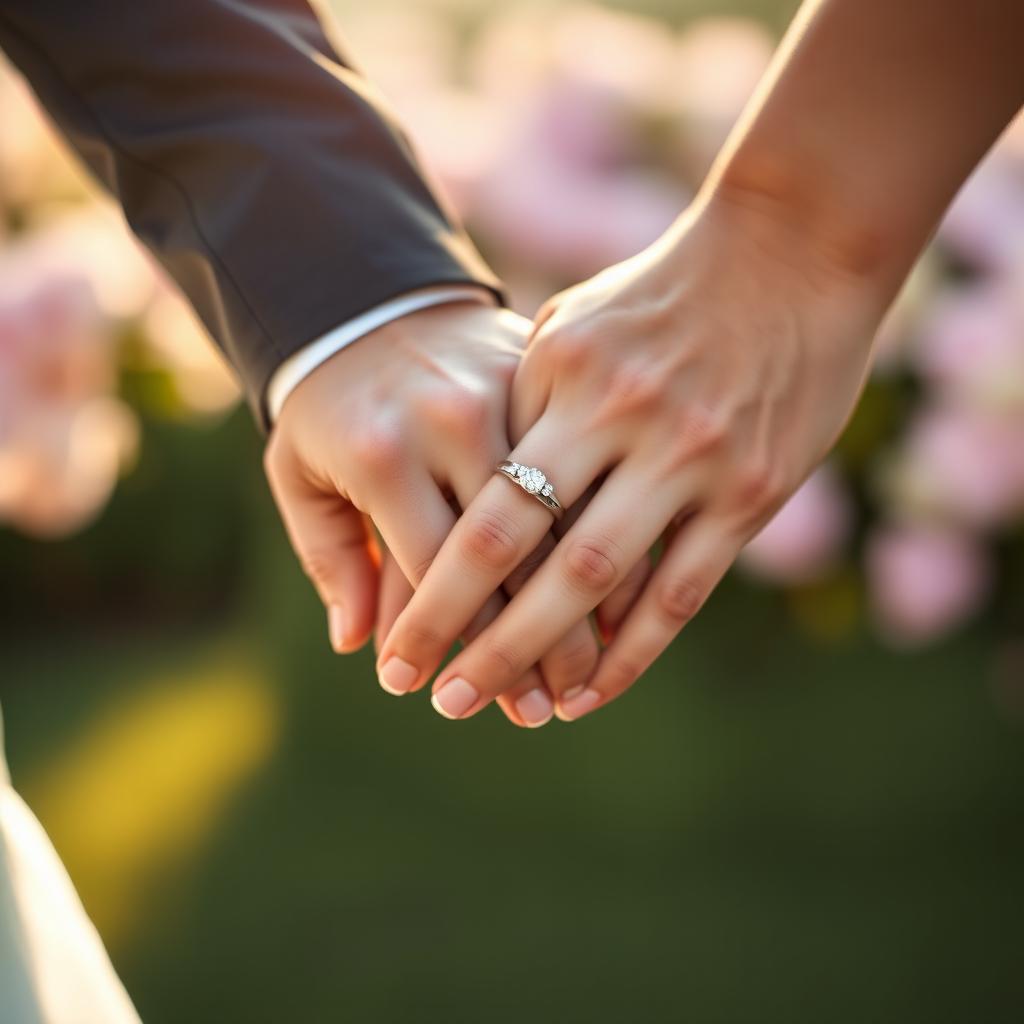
x: 612, y: 611
x: 573, y: 658
x: 612, y: 534
x: 335, y: 548
x: 502, y: 525
x: 529, y: 704
x: 572, y: 661
x: 688, y: 572
x: 395, y: 591
x: 414, y: 519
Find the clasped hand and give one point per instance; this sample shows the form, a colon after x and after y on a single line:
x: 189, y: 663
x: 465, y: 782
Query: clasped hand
x: 680, y: 396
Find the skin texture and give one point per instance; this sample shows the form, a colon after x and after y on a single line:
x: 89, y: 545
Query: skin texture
x: 689, y: 391
x: 398, y: 432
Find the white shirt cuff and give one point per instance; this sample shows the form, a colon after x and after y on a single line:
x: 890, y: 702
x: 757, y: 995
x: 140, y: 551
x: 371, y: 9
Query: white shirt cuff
x: 301, y: 364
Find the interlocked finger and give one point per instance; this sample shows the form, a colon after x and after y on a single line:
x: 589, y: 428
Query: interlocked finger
x: 697, y: 559
x: 500, y: 528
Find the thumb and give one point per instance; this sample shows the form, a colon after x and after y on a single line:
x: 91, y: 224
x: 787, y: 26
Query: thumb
x: 337, y: 550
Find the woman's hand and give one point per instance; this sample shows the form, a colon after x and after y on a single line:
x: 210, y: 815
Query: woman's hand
x: 698, y: 385
x: 397, y: 429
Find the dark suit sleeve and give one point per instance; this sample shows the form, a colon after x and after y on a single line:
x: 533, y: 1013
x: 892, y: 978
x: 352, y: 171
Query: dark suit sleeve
x: 258, y: 166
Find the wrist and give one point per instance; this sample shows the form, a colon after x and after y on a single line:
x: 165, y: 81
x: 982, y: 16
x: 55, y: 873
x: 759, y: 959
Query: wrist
x: 807, y: 223
x: 748, y: 258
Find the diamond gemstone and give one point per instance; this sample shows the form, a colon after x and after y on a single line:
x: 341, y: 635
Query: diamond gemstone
x: 534, y: 480
x: 546, y: 490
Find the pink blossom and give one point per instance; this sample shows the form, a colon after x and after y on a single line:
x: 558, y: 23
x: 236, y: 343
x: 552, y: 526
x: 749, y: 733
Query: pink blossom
x: 962, y: 464
x: 985, y: 224
x: 571, y: 225
x: 91, y: 243
x: 805, y: 538
x: 924, y: 582
x: 971, y: 344
x: 625, y: 56
x: 718, y: 64
x: 561, y: 199
x: 62, y: 435
x: 61, y: 469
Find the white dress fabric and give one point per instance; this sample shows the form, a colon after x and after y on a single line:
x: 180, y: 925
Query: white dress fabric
x: 53, y: 967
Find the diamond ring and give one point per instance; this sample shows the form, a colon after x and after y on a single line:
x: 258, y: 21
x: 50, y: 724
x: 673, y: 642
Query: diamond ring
x: 534, y: 482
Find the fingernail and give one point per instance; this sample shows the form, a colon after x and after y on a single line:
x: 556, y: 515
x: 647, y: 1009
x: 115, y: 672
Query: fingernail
x: 455, y: 698
x: 576, y: 702
x: 336, y: 626
x: 397, y: 676
x: 535, y: 708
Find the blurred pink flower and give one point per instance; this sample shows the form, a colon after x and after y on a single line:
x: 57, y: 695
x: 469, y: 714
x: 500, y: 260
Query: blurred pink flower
x: 561, y: 197
x: 91, y: 243
x: 924, y: 582
x: 960, y: 463
x: 64, y: 465
x: 561, y: 188
x: 985, y: 224
x: 62, y: 435
x: 971, y: 344
x: 626, y: 55
x: 520, y: 49
x: 718, y: 64
x: 806, y: 537
x: 568, y: 224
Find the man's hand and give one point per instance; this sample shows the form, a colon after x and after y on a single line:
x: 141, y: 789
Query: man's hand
x: 400, y: 430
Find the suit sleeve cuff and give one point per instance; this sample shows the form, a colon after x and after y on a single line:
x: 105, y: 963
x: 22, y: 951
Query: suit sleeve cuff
x: 302, y: 363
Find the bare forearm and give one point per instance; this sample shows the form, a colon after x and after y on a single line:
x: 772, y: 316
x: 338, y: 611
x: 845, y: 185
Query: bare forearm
x: 872, y: 116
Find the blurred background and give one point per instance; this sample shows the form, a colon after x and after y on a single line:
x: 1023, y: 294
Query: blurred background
x: 811, y: 809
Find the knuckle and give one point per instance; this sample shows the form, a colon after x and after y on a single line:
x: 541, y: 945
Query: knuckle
x: 568, y: 347
x: 619, y: 673
x: 697, y: 433
x: 702, y: 430
x: 572, y: 661
x: 417, y: 638
x: 376, y: 446
x: 590, y: 564
x: 420, y: 569
x: 491, y: 541
x: 470, y: 411
x: 636, y: 386
x: 679, y: 600
x: 502, y: 660
x: 757, y: 488
x: 461, y: 411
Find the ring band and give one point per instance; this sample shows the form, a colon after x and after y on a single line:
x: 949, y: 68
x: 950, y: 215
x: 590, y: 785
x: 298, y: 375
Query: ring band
x: 534, y: 482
